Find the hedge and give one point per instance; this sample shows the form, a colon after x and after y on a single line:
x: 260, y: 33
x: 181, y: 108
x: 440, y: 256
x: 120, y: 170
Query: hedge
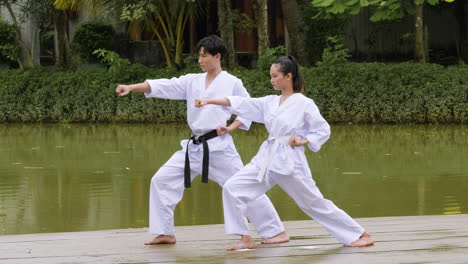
x: 349, y: 92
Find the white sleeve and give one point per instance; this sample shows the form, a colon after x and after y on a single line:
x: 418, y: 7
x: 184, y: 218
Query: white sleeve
x: 249, y: 108
x: 239, y: 90
x: 174, y: 88
x: 316, y: 127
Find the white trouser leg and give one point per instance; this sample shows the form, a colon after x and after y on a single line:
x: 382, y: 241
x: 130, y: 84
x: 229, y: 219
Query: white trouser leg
x: 262, y: 214
x: 243, y: 188
x: 239, y: 192
x: 166, y: 190
x: 304, y: 191
x: 167, y: 187
x: 260, y: 211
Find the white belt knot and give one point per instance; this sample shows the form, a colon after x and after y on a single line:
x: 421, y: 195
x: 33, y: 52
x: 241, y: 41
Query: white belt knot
x: 276, y: 141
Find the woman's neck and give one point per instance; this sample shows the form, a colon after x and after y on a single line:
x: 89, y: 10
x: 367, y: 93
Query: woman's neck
x: 287, y: 92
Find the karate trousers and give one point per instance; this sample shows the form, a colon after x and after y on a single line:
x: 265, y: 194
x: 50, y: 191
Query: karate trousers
x: 167, y: 188
x: 244, y: 187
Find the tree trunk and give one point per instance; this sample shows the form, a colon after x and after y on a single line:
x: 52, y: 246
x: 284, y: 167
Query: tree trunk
x: 261, y: 18
x: 35, y: 46
x: 192, y: 36
x: 62, y: 48
x: 25, y: 58
x: 226, y: 28
x: 295, y: 27
x: 460, y: 14
x: 420, y: 49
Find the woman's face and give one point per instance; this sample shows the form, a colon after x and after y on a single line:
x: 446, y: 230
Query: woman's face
x: 278, y: 80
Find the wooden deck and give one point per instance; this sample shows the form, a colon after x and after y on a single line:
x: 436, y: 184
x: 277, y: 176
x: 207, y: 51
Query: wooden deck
x: 414, y: 239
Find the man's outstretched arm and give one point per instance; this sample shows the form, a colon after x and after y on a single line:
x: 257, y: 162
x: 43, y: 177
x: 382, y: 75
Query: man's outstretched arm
x: 123, y: 89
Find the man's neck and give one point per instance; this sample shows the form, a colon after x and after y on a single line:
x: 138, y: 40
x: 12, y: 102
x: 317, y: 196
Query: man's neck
x: 213, y: 73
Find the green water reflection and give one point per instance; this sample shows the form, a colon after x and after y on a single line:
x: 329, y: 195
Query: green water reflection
x: 56, y: 178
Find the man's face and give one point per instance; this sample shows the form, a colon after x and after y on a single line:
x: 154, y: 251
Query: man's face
x: 206, y: 60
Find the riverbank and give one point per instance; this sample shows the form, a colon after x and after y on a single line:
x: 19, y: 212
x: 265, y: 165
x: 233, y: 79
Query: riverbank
x: 407, y: 239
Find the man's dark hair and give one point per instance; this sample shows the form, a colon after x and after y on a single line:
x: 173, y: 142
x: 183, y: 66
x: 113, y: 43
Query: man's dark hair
x: 212, y: 45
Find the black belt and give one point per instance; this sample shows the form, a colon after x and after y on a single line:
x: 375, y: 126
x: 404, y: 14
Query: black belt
x: 206, y: 156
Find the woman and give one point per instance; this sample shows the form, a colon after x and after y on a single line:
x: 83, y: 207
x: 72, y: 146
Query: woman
x: 292, y: 121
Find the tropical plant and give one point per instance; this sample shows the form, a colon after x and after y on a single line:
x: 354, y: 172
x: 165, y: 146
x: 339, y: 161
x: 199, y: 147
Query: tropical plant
x: 335, y: 52
x: 166, y: 19
x: 386, y: 10
x: 117, y: 64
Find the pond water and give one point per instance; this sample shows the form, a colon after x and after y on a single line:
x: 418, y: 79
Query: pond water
x: 77, y: 177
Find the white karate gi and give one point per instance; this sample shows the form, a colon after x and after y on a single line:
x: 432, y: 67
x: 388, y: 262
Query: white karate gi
x: 278, y: 163
x: 167, y: 185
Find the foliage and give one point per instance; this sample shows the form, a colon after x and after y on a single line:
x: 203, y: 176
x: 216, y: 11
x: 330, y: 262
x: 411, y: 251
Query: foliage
x: 318, y: 29
x: 117, y: 64
x: 167, y: 19
x: 334, y: 53
x: 389, y: 93
x: 271, y: 54
x: 8, y: 48
x: 191, y: 63
x: 241, y: 22
x: 346, y: 92
x: 91, y: 36
x: 40, y: 10
x: 382, y: 9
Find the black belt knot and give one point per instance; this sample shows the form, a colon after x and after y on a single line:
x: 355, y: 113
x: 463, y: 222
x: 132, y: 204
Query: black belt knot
x: 206, y: 156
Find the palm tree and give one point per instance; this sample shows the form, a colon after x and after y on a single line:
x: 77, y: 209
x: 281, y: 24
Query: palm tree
x: 166, y: 19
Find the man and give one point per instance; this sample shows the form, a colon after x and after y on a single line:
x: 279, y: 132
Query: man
x: 210, y: 151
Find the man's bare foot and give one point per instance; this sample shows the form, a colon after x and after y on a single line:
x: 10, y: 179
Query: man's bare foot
x: 162, y: 239
x: 363, y: 241
x: 282, y: 237
x: 246, y: 242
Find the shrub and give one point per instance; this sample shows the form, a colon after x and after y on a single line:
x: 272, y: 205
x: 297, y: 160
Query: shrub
x: 271, y: 54
x: 91, y: 36
x: 347, y: 92
x: 8, y: 47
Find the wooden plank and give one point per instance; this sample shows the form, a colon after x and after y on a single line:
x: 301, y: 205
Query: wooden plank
x: 414, y: 239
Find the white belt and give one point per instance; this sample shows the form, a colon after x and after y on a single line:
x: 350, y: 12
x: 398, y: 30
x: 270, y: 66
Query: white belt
x: 276, y: 142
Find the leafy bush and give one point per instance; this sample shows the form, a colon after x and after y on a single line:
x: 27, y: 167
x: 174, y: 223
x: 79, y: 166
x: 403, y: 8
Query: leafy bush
x: 91, y: 36
x: 271, y: 54
x: 317, y: 29
x: 389, y: 93
x: 347, y: 92
x: 8, y: 47
x: 334, y: 53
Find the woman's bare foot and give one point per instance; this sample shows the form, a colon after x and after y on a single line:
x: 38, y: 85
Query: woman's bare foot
x: 363, y: 241
x: 282, y: 237
x: 162, y: 239
x: 246, y: 242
